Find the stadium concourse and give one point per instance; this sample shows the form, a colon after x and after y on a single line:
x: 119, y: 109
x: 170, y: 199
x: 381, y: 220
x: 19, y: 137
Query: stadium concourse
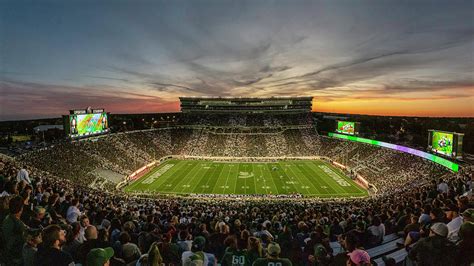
x: 58, y: 208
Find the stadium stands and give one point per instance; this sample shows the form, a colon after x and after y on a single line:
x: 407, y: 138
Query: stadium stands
x: 67, y: 186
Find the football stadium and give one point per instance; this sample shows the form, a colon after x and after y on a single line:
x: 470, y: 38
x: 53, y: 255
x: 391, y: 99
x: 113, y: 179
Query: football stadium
x: 235, y: 133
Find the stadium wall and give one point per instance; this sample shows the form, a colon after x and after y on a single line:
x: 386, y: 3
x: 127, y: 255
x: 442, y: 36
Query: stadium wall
x: 439, y: 160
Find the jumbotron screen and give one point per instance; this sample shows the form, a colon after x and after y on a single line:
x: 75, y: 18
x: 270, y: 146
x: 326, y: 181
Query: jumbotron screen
x: 346, y: 127
x: 87, y: 124
x: 442, y: 142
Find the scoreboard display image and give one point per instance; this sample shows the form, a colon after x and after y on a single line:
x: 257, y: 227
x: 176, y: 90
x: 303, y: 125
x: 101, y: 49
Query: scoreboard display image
x: 86, y: 124
x: 448, y: 144
x: 442, y: 143
x: 346, y: 127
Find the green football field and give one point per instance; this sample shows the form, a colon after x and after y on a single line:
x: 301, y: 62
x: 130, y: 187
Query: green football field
x: 308, y: 177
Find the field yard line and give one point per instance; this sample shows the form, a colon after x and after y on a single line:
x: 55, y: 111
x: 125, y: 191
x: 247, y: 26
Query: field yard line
x: 215, y: 168
x: 298, y: 177
x: 190, y: 182
x: 168, y: 176
x: 308, y: 180
x: 263, y: 177
x: 183, y: 178
x: 348, y: 179
x: 245, y: 184
x: 209, y: 179
x: 319, y: 177
x: 217, y: 182
x: 276, y: 187
x: 203, y: 177
x: 336, y: 185
x: 333, y: 183
x: 314, y: 180
x: 255, y: 180
x: 287, y: 178
x: 226, y: 180
x: 236, y: 178
x: 145, y: 176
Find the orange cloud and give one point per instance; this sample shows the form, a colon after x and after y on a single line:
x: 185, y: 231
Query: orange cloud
x: 434, y: 107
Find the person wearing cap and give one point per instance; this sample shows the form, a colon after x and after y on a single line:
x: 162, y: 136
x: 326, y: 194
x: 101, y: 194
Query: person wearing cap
x: 273, y: 256
x: 455, y: 221
x: 100, y: 256
x: 33, y: 239
x: 355, y: 255
x: 196, y: 254
x: 435, y: 249
x: 358, y: 257
x: 468, y: 215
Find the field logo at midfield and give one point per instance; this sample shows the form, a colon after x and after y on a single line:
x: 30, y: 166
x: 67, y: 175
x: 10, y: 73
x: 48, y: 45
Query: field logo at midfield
x: 245, y: 175
x: 158, y: 173
x: 334, y: 176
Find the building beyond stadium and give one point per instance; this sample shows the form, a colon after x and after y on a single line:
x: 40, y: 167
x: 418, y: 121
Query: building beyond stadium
x: 246, y: 104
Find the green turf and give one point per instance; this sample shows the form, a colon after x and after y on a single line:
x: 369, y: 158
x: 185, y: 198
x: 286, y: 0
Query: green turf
x: 306, y: 177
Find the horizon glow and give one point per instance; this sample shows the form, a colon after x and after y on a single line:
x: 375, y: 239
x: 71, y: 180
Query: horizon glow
x: 366, y: 57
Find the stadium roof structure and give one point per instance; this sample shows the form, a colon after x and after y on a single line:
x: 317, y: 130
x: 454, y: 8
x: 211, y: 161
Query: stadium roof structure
x: 220, y: 104
x: 42, y: 128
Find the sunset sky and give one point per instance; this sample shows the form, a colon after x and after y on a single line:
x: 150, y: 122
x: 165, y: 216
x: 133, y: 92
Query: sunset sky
x: 413, y: 58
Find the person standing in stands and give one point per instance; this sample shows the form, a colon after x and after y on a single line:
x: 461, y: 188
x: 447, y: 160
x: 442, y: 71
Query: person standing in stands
x: 49, y: 252
x: 273, y: 257
x: 455, y: 221
x: 14, y: 231
x: 23, y: 176
x: 73, y: 211
x: 236, y: 253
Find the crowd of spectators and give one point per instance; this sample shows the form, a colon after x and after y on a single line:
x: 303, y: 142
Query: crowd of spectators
x: 83, y: 161
x: 51, y: 215
x: 58, y: 222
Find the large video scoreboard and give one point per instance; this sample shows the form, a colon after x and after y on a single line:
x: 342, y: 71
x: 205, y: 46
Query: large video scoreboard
x: 347, y: 127
x: 448, y: 144
x: 86, y: 122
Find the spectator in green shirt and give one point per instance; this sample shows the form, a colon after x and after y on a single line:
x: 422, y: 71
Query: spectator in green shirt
x: 14, y: 231
x: 235, y: 254
x: 273, y: 257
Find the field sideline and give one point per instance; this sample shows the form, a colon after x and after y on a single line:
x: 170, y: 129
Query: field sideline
x: 313, y: 178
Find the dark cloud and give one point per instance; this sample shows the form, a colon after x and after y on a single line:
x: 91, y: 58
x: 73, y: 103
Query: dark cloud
x: 30, y: 100
x: 169, y: 86
x: 334, y: 49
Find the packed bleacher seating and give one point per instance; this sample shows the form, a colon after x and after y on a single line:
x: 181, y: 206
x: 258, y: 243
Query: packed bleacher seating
x: 53, y: 211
